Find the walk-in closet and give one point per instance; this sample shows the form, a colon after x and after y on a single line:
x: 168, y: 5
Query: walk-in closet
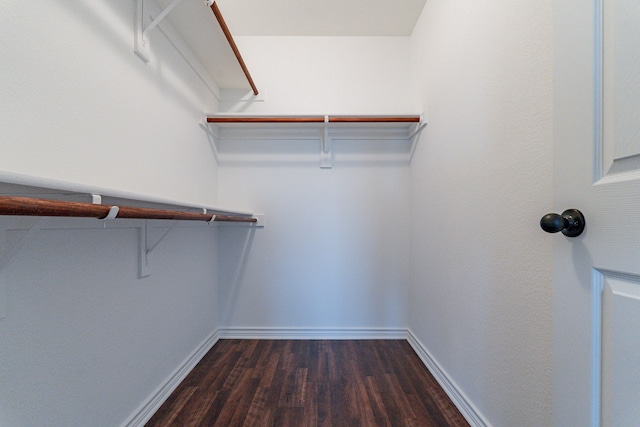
x: 267, y: 182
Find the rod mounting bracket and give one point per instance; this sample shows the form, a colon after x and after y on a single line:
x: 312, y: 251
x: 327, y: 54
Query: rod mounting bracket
x: 326, y: 154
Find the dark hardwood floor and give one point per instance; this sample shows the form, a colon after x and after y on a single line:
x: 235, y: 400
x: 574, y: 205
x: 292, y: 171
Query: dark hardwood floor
x: 309, y: 383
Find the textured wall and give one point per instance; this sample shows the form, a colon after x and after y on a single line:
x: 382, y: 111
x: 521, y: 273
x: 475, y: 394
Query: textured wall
x: 480, y: 298
x: 335, y: 251
x: 85, y: 341
x: 78, y: 105
x: 328, y: 75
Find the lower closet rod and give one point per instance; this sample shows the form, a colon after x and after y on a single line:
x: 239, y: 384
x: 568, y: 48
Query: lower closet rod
x: 26, y: 206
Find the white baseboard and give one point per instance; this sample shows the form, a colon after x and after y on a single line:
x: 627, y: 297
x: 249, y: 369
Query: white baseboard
x: 162, y: 393
x: 313, y: 333
x: 464, y: 405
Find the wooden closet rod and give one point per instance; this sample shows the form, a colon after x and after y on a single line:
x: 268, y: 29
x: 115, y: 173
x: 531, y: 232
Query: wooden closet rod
x: 25, y: 206
x: 234, y: 47
x: 315, y: 119
x: 374, y: 119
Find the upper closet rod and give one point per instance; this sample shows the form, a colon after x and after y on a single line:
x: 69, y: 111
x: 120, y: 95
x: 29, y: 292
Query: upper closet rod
x: 313, y: 119
x: 232, y: 43
x: 272, y: 119
x: 25, y: 206
x: 374, y: 119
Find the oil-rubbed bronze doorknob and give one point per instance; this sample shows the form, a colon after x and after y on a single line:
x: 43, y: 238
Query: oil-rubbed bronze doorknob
x: 571, y: 223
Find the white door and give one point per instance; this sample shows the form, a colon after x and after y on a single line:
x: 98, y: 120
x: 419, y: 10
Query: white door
x: 597, y: 170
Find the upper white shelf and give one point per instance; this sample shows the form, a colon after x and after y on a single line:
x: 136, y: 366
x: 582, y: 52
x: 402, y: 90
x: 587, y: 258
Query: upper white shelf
x: 406, y: 123
x: 326, y: 128
x: 197, y: 29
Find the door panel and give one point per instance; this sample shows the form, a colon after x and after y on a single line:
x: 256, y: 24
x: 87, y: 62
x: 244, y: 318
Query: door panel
x: 621, y: 85
x: 597, y: 170
x: 620, y: 350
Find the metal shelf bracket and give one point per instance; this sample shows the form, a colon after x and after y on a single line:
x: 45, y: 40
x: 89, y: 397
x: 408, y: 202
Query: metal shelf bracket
x: 415, y: 135
x: 146, y: 248
x: 144, y: 25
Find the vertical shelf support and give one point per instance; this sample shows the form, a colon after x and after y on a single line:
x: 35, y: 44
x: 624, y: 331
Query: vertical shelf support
x: 144, y: 270
x: 325, y: 151
x: 143, y: 27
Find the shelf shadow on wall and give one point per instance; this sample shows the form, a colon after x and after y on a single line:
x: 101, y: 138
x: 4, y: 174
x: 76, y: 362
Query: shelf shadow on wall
x: 235, y: 244
x: 307, y: 151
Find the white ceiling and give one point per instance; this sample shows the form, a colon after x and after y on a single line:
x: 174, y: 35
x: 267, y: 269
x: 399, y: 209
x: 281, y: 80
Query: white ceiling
x: 321, y: 17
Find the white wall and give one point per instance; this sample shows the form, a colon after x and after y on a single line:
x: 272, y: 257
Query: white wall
x: 335, y: 252
x: 78, y: 105
x: 480, y: 298
x: 328, y: 75
x: 85, y: 341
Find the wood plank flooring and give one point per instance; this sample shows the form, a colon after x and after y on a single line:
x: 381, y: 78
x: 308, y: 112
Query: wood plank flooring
x: 309, y: 383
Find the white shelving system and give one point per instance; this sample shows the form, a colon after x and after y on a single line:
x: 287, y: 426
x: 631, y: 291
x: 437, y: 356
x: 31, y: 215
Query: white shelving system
x: 325, y: 128
x: 198, y: 31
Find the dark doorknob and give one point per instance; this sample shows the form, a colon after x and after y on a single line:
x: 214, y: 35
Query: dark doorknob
x: 571, y: 223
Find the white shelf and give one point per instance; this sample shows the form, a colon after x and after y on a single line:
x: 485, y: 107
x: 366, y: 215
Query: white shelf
x: 197, y: 33
x: 399, y: 125
x: 327, y: 128
x: 32, y: 186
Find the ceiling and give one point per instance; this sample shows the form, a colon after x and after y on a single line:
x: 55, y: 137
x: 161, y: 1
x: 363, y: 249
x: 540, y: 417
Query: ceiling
x: 321, y: 17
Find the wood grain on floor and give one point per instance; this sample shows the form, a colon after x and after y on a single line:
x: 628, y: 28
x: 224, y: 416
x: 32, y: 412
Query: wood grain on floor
x: 309, y: 383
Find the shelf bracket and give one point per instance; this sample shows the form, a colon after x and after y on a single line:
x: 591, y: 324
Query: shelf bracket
x: 155, y: 245
x: 144, y: 25
x: 326, y: 149
x: 146, y: 248
x: 212, y: 136
x: 144, y: 270
x: 415, y: 136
